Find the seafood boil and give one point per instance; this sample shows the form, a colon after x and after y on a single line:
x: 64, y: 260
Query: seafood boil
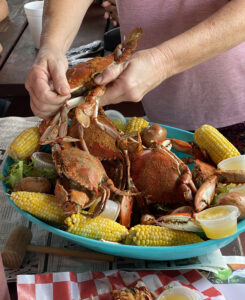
x: 156, y: 195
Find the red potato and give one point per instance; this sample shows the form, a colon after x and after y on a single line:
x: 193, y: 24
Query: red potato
x: 153, y: 133
x: 33, y: 184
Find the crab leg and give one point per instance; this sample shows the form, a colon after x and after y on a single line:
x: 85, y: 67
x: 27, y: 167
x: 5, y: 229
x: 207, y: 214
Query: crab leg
x: 126, y: 49
x: 50, y: 131
x: 102, y: 126
x: 101, y: 205
x: 51, y: 134
x: 90, y: 109
x: 82, y: 141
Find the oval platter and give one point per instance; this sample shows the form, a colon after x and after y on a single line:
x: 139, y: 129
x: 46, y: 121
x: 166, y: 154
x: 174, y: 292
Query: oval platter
x: 137, y: 252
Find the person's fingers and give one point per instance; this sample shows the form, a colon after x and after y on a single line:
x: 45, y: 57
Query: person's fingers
x: 113, y: 13
x: 105, y: 3
x: 113, y: 94
x: 121, y: 90
x: 111, y: 9
x: 114, y: 23
x: 108, y: 3
x: 58, y: 74
x: 38, y: 84
x: 106, y: 15
x: 110, y: 73
x: 42, y: 111
x: 43, y: 100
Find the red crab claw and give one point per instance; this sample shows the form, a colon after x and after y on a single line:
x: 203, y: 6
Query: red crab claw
x: 235, y: 176
x: 122, y: 52
x: 189, y: 148
x: 201, y: 172
x: 90, y: 108
x: 69, y: 204
x: 126, y: 210
x: 205, y: 193
x: 180, y: 221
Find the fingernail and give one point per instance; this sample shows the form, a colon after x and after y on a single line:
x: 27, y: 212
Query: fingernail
x: 98, y: 79
x: 64, y: 90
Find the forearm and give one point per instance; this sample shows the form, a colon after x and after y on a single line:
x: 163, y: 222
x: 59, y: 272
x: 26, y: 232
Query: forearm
x: 220, y: 32
x: 61, y: 22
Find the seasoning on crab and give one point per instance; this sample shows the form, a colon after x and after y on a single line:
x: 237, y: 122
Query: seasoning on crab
x: 97, y: 228
x: 161, y: 176
x: 82, y: 179
x: 151, y: 235
x: 40, y: 205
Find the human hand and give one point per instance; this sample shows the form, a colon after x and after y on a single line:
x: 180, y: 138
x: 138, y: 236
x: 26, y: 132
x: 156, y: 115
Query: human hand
x: 133, y: 78
x: 46, y: 82
x: 111, y: 11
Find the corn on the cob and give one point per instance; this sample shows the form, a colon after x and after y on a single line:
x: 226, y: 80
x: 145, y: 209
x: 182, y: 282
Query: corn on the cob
x: 151, y: 235
x: 217, y: 146
x: 24, y: 144
x: 96, y: 228
x: 136, y: 124
x: 42, y: 206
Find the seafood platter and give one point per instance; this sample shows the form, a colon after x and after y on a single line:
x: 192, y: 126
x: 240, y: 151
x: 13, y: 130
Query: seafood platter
x: 130, y: 188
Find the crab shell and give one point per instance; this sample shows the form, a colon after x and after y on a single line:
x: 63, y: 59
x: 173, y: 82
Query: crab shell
x: 82, y: 168
x: 162, y: 177
x: 81, y: 76
x: 87, y: 180
x: 180, y: 221
x: 81, y: 175
x: 99, y: 142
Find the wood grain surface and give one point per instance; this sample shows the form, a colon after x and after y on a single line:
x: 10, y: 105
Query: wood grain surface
x: 11, y: 28
x: 15, y: 68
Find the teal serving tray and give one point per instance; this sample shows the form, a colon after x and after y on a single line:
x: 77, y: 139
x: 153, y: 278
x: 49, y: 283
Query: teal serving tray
x: 137, y: 252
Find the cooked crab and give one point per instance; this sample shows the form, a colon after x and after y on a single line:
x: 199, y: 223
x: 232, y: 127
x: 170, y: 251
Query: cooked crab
x: 81, y: 80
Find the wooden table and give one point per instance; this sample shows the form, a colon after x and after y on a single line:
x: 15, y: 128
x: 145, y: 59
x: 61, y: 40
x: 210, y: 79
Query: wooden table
x: 19, y: 54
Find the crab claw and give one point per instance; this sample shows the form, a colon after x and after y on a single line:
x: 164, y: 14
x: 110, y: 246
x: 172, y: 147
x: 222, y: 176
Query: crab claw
x: 183, y: 209
x: 205, y: 193
x: 180, y: 221
x: 126, y: 210
x: 235, y: 176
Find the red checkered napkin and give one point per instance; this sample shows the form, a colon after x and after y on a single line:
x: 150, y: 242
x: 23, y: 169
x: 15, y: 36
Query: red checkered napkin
x: 98, y: 285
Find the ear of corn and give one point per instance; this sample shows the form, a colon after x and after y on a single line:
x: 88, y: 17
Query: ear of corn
x: 24, y: 144
x: 216, y: 145
x: 136, y: 124
x: 151, y: 235
x: 42, y: 206
x: 96, y: 228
